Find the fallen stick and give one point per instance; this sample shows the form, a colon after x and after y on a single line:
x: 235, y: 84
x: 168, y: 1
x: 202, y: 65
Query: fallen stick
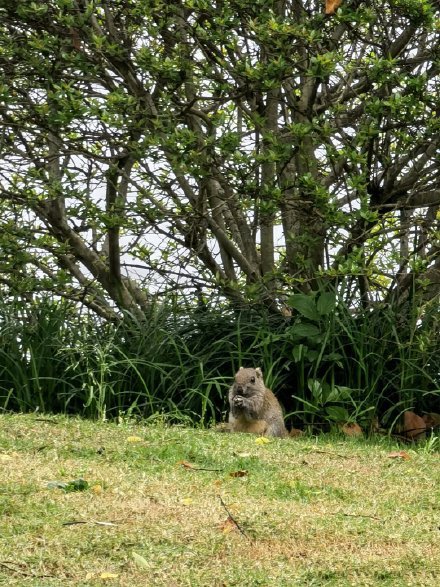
x: 233, y: 520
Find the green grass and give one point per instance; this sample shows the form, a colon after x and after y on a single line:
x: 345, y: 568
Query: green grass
x: 311, y: 512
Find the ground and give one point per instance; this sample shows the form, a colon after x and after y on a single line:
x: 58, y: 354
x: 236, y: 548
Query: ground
x: 171, y: 506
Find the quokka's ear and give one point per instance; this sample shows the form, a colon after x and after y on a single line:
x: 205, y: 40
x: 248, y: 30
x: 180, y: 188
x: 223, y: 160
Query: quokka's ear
x: 259, y: 372
x: 240, y: 368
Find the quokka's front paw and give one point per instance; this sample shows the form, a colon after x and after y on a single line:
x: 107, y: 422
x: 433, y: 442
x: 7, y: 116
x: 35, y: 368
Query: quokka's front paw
x: 238, y: 401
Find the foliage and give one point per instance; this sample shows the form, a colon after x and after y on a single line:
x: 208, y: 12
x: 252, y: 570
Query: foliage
x: 247, y: 148
x: 358, y: 367
x: 326, y: 364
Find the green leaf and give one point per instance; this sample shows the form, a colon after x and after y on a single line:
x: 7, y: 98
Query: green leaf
x: 141, y: 561
x: 77, y: 485
x: 305, y: 330
x: 70, y: 486
x: 344, y: 392
x: 333, y: 357
x: 305, y: 305
x: 326, y: 303
x: 337, y: 414
x: 315, y: 387
x: 299, y: 352
x: 339, y: 393
x: 312, y: 355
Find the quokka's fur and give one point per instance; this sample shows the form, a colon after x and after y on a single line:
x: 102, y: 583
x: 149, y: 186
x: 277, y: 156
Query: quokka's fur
x: 253, y: 407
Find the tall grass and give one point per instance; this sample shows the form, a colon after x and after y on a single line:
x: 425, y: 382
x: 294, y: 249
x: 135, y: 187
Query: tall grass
x: 32, y: 371
x: 324, y: 363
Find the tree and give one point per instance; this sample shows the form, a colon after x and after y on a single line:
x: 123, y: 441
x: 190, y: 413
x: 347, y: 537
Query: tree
x: 251, y: 148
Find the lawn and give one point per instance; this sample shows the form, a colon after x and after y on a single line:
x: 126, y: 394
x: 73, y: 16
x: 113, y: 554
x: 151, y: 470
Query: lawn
x: 93, y: 503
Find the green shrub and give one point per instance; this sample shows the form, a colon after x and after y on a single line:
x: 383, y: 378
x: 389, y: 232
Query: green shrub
x: 326, y: 363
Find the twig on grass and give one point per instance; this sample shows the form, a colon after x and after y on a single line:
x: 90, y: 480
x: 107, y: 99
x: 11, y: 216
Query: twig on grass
x: 205, y: 469
x: 233, y: 520
x: 11, y: 566
x: 96, y: 522
x: 355, y: 516
x: 187, y: 465
x: 329, y: 452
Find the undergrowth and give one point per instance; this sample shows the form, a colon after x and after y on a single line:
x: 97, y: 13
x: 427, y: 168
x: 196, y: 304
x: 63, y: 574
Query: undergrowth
x: 325, y: 363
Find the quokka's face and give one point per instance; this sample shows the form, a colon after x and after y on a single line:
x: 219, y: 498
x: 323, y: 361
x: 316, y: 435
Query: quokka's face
x: 245, y: 381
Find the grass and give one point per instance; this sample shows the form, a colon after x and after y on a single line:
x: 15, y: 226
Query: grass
x: 310, y: 511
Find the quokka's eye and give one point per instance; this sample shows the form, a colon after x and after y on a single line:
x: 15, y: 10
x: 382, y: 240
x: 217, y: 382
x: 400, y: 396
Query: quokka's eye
x: 252, y: 379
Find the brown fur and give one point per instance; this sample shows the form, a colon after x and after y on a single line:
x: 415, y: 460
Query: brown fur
x: 253, y: 407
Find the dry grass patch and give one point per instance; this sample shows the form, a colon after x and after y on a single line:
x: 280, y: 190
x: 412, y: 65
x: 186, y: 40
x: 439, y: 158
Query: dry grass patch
x: 308, y: 512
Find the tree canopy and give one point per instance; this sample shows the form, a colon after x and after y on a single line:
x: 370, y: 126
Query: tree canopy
x: 249, y: 148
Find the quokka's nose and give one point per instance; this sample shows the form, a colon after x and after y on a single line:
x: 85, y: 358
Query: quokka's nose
x: 239, y: 389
